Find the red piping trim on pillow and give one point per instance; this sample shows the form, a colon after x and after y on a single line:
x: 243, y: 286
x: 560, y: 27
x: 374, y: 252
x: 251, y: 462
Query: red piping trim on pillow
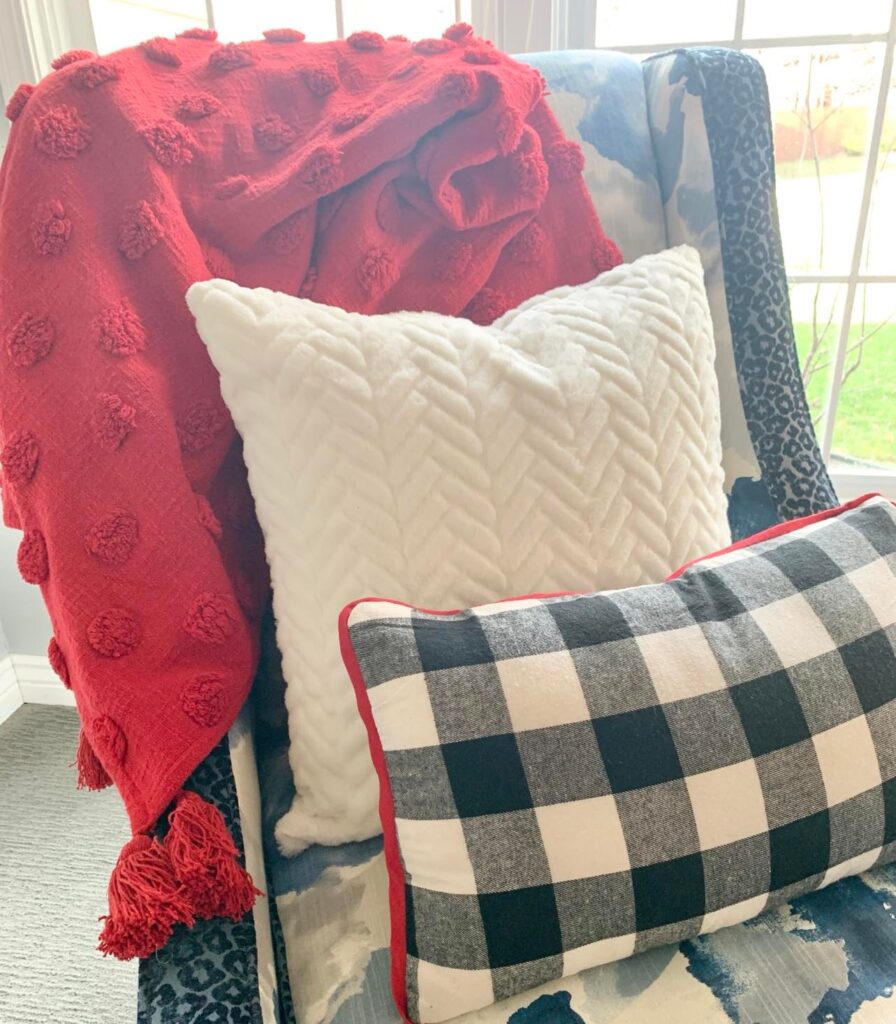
x: 387, y: 816
x: 387, y: 805
x: 778, y: 530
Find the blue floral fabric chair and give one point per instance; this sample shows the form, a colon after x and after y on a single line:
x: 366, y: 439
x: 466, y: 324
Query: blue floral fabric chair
x: 678, y: 149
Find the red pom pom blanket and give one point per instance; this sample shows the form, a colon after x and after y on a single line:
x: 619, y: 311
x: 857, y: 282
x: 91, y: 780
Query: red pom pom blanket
x: 372, y: 174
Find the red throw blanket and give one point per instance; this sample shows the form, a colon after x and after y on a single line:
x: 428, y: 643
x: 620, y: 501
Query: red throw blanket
x: 372, y: 174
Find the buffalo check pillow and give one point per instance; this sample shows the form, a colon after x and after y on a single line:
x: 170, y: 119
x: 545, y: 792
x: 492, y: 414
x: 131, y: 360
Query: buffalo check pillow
x: 567, y: 780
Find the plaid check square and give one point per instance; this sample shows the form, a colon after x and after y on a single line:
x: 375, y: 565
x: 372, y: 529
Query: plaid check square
x: 658, y: 822
x: 511, y: 932
x: 876, y: 526
x: 803, y: 562
x: 563, y: 764
x: 857, y: 826
x: 504, y: 848
x: 840, y: 605
x: 646, y: 731
x: 616, y: 659
x: 449, y: 644
x: 595, y: 908
x: 709, y: 599
x: 742, y: 650
x: 770, y: 712
x: 419, y: 782
x: 583, y: 838
x: 572, y: 780
x: 882, y: 724
x: 867, y: 662
x: 800, y: 849
x: 736, y: 873
x: 466, y: 712
x: 668, y: 891
x: 722, y: 740
x: 889, y: 794
x: 486, y: 776
x: 824, y: 689
x: 792, y: 783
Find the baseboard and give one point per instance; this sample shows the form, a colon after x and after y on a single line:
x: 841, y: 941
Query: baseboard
x: 28, y: 679
x: 39, y: 683
x: 10, y: 694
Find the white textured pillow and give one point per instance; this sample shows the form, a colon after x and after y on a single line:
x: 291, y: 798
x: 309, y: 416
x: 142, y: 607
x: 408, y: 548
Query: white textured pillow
x: 572, y: 445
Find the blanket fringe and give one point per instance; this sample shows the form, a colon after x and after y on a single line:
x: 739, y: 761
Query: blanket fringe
x: 192, y: 873
x: 204, y: 858
x: 146, y: 901
x: 91, y: 773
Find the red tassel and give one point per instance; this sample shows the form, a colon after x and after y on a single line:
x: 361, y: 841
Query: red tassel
x: 145, y: 901
x: 204, y: 858
x: 91, y: 773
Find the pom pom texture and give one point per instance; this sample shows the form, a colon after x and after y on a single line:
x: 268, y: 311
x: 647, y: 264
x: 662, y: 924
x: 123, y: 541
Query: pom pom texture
x: 279, y: 162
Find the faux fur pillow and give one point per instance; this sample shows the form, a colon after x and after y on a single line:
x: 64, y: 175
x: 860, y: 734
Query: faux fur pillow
x: 573, y: 444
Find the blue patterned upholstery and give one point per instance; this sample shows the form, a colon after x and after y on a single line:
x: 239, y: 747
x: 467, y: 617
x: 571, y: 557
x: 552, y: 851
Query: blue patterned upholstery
x: 678, y: 149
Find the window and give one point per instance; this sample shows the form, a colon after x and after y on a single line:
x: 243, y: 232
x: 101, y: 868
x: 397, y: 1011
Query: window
x: 120, y: 23
x: 833, y: 93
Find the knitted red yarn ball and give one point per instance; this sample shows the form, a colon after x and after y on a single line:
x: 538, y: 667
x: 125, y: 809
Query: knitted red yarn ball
x: 30, y: 340
x: 18, y: 100
x: 203, y: 699
x: 50, y: 229
x: 169, y: 142
x: 212, y: 618
x: 113, y: 421
x: 195, y: 106
x: 61, y: 133
x: 70, y: 57
x: 94, y: 73
x: 113, y: 633
x: 20, y: 457
x: 377, y: 270
x: 140, y: 230
x: 113, y: 538
x: 32, y: 558
x: 162, y: 51
x: 118, y: 330
x: 58, y: 663
x: 198, y: 429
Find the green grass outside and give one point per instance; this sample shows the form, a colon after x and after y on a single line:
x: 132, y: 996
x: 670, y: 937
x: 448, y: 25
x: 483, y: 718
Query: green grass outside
x: 866, y: 413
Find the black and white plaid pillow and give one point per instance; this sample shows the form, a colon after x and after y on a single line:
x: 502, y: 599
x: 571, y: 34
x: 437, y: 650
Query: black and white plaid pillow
x: 570, y: 780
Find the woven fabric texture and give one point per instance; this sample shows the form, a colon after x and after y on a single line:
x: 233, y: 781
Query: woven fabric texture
x: 577, y: 779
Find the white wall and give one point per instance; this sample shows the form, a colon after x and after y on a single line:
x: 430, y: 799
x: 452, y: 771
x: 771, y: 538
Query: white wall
x: 23, y: 618
x: 4, y: 643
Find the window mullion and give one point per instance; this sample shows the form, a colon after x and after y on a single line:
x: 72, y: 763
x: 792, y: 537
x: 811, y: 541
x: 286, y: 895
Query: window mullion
x: 739, y: 23
x: 836, y: 378
x: 573, y: 24
x: 757, y: 43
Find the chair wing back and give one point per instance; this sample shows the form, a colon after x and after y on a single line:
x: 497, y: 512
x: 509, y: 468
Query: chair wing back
x: 678, y: 149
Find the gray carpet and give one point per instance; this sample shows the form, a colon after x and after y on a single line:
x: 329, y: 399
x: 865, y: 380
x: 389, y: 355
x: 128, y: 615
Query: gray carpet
x: 57, y: 846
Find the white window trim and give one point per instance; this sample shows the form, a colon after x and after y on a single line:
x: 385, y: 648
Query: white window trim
x: 36, y: 31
